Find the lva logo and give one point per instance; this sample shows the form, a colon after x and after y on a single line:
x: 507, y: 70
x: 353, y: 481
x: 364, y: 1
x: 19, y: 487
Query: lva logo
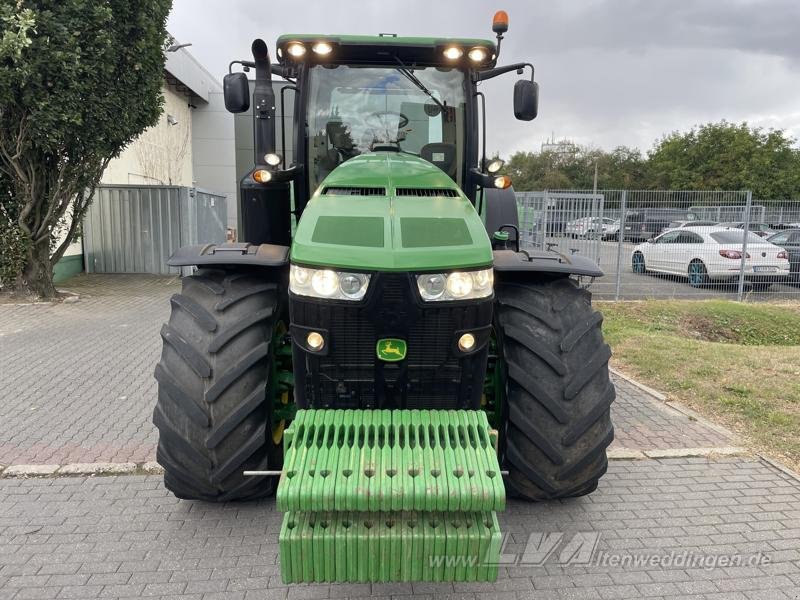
x: 554, y: 547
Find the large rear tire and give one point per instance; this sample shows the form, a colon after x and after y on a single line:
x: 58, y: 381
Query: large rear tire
x: 557, y: 417
x: 214, y: 407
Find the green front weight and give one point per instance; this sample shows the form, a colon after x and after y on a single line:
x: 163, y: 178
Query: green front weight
x: 389, y: 495
x: 390, y: 460
x: 381, y: 547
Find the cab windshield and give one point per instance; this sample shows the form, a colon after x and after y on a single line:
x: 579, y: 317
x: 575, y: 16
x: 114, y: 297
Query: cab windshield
x: 356, y: 109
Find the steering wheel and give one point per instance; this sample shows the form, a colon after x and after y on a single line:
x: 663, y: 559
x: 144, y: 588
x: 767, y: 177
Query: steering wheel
x: 380, y: 119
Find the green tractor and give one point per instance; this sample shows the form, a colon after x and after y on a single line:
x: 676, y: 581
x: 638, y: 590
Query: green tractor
x: 380, y: 350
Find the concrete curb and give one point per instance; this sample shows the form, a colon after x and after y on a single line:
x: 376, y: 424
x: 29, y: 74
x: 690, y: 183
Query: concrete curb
x: 698, y: 452
x: 99, y: 468
x: 712, y: 452
x: 30, y: 470
x: 80, y: 470
x: 677, y: 406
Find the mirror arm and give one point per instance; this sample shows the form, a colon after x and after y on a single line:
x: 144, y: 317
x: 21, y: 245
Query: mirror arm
x: 247, y: 64
x: 491, y: 73
x: 480, y: 178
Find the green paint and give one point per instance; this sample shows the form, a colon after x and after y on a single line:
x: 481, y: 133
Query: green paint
x: 419, y: 232
x: 391, y: 349
x: 415, y: 246
x: 382, y: 491
x: 351, y: 231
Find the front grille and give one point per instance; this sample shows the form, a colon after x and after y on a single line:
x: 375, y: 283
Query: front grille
x: 354, y: 191
x: 426, y: 192
x: 351, y: 376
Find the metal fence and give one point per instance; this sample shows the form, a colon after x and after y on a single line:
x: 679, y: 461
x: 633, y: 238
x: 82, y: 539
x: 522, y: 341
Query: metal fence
x: 134, y: 229
x: 672, y: 244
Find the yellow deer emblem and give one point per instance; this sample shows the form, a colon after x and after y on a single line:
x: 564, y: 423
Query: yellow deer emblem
x: 391, y: 349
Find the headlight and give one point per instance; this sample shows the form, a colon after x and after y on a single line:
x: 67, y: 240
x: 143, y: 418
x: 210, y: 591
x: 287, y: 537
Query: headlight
x: 326, y: 283
x: 459, y: 285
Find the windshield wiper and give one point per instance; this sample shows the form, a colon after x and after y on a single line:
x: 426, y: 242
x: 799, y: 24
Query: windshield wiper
x: 415, y: 80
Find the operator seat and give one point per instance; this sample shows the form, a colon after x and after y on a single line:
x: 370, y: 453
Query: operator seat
x: 442, y: 155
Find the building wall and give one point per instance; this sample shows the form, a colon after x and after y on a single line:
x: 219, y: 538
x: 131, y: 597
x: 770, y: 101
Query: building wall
x: 213, y: 155
x: 162, y: 155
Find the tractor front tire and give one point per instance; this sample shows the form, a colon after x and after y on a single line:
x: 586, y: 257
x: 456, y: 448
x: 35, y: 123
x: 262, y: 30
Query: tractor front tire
x: 557, y: 417
x: 214, y: 408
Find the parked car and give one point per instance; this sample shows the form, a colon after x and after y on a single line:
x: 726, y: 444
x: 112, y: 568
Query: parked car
x: 643, y: 224
x: 586, y: 227
x: 789, y: 240
x: 681, y: 224
x: 760, y: 229
x: 706, y: 254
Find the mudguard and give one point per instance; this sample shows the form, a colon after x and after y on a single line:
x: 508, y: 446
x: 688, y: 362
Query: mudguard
x: 539, y: 261
x: 264, y: 255
x: 501, y: 209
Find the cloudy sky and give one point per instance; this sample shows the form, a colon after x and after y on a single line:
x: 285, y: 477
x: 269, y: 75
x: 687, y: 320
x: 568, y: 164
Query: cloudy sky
x: 611, y: 72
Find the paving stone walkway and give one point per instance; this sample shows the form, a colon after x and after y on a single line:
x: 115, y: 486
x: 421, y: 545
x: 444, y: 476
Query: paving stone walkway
x: 77, y: 386
x: 735, y: 523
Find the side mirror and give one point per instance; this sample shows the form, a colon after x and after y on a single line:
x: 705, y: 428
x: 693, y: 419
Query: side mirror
x: 526, y: 100
x: 236, y: 91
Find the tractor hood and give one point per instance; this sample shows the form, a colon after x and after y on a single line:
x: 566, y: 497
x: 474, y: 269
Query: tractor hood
x: 387, y: 211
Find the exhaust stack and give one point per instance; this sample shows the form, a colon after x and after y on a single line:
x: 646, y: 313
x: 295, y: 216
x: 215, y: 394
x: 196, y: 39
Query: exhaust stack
x: 263, y: 104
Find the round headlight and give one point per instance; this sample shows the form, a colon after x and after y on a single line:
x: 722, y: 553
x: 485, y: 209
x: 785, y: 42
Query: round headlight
x: 431, y: 286
x: 352, y: 284
x: 477, y: 54
x: 494, y: 165
x: 299, y: 276
x: 272, y: 159
x: 459, y: 284
x: 453, y: 53
x: 483, y: 279
x: 296, y: 49
x: 325, y: 282
x: 466, y: 342
x: 322, y: 48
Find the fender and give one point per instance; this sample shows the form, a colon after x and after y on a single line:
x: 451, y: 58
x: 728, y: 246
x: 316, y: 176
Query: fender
x: 540, y: 261
x: 264, y: 255
x: 501, y: 209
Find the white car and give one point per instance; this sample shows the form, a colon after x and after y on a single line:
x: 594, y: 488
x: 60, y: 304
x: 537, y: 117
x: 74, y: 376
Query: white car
x: 706, y: 254
x: 603, y: 227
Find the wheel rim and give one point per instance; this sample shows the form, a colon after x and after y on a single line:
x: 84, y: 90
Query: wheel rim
x: 696, y: 273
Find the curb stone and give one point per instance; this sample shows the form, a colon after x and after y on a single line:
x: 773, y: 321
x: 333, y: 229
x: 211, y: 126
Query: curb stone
x: 30, y: 470
x: 152, y: 468
x: 698, y: 452
x: 99, y: 468
x: 625, y: 454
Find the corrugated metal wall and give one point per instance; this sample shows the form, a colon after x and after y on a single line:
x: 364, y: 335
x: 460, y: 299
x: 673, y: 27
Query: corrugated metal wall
x: 135, y: 229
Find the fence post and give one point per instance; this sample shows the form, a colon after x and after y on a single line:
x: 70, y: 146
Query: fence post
x: 740, y: 293
x: 620, y: 237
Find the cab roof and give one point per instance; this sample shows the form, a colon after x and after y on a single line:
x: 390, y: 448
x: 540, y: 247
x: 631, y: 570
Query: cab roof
x: 386, y: 48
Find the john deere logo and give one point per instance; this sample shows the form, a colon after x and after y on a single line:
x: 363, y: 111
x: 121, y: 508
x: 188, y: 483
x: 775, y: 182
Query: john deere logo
x: 391, y: 349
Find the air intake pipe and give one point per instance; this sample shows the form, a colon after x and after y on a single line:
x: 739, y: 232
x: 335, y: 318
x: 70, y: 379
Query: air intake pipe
x: 263, y: 104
